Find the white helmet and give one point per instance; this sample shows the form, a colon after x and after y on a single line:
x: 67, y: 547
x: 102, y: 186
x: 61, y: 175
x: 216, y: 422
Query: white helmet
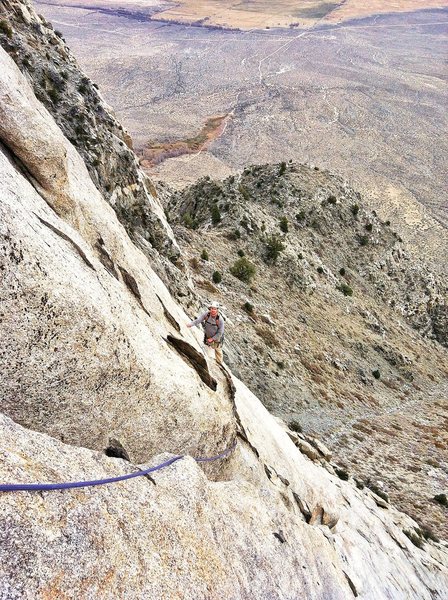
x: 214, y: 305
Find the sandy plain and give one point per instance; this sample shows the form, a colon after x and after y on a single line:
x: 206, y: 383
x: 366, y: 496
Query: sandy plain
x: 365, y: 99
x: 247, y: 14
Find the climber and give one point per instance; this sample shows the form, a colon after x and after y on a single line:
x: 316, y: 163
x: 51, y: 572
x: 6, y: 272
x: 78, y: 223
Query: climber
x: 213, y: 325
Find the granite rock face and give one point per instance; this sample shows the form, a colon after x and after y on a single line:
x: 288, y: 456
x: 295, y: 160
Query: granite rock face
x: 90, y: 357
x: 88, y: 123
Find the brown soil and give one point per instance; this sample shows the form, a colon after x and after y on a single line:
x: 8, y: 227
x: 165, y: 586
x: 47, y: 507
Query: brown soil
x: 154, y: 153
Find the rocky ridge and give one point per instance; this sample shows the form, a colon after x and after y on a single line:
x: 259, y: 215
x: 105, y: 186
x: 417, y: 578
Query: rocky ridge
x: 95, y: 350
x: 78, y: 108
x: 340, y: 330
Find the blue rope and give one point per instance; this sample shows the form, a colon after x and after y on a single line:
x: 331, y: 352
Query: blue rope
x: 40, y: 487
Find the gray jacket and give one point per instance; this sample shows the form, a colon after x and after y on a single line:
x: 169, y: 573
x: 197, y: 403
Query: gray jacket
x: 211, y: 329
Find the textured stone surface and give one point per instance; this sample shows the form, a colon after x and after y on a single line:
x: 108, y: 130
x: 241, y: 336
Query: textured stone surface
x: 85, y: 358
x: 77, y: 336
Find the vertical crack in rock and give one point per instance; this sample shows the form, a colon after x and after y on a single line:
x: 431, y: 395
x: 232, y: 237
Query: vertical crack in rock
x: 169, y: 317
x: 303, y: 507
x: 105, y: 258
x: 196, y: 360
x: 132, y: 286
x: 351, y: 584
x: 68, y: 239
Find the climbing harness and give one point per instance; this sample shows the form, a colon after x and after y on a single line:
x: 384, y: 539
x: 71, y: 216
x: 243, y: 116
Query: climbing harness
x: 41, y: 487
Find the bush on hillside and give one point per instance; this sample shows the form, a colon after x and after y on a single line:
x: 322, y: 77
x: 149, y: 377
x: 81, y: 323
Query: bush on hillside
x: 243, y: 269
x: 248, y: 307
x: 233, y: 235
x: 189, y: 221
x: 204, y: 254
x: 295, y: 426
x: 441, y: 499
x: 345, y: 289
x: 414, y: 538
x: 274, y: 246
x: 216, y: 277
x: 216, y: 214
x: 363, y: 240
x: 5, y: 28
x: 283, y: 224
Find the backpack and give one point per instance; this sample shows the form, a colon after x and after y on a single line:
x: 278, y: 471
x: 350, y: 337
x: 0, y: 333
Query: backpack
x: 221, y: 341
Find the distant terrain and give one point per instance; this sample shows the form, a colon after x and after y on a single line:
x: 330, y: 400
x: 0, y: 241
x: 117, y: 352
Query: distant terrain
x: 249, y: 14
x: 365, y: 99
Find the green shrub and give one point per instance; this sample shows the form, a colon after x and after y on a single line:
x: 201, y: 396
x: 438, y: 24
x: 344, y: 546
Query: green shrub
x: 240, y: 252
x: 295, y: 426
x: 248, y: 307
x: 345, y: 289
x: 216, y: 277
x: 244, y: 192
x: 331, y: 199
x: 320, y: 270
x: 53, y: 94
x: 5, y: 28
x: 342, y: 474
x: 369, y: 227
x: 342, y: 271
x: 376, y: 374
x: 234, y: 235
x: 204, y: 254
x: 363, y: 240
x: 274, y: 246
x: 376, y: 490
x: 355, y: 209
x: 414, y: 538
x: 441, y: 499
x: 301, y: 216
x: 216, y: 215
x: 189, y: 221
x: 283, y: 224
x: 282, y: 168
x: 243, y: 269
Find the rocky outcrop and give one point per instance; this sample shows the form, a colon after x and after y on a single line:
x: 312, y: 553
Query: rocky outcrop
x: 80, y: 332
x: 329, y: 229
x: 340, y: 329
x: 88, y: 122
x: 95, y: 354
